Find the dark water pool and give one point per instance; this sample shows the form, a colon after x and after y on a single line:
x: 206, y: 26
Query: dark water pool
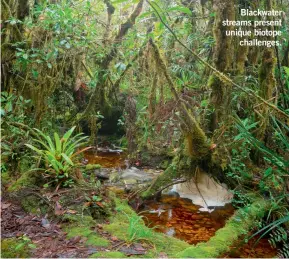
x: 180, y: 218
x: 106, y: 159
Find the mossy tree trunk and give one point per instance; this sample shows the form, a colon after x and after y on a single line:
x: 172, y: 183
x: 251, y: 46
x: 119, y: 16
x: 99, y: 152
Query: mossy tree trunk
x: 223, y: 53
x: 11, y: 33
x: 267, y: 81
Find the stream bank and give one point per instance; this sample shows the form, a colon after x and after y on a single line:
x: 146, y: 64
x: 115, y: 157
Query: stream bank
x: 164, y: 227
x: 179, y: 217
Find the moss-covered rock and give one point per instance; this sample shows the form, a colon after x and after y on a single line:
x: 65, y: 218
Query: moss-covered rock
x: 31, y: 204
x: 92, y: 238
x: 79, y: 220
x: 8, y: 249
x: 5, y: 178
x: 27, y: 179
x: 92, y: 166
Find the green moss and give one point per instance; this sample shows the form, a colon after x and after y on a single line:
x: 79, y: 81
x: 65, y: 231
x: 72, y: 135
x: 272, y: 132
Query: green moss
x: 164, y: 164
x: 27, y: 179
x: 120, y: 224
x: 92, y: 166
x: 5, y: 178
x: 31, y: 204
x: 162, y: 180
x: 241, y: 223
x: 78, y: 231
x: 24, y: 165
x: 8, y: 249
x: 84, y: 231
x: 79, y: 220
x: 111, y: 254
x: 96, y: 240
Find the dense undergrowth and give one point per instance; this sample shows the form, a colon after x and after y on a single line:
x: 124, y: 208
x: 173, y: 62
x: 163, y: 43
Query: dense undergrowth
x: 161, y: 77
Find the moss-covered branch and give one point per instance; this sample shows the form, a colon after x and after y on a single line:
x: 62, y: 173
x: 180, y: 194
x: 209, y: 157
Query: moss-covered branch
x: 200, y: 145
x: 162, y: 180
x: 243, y: 221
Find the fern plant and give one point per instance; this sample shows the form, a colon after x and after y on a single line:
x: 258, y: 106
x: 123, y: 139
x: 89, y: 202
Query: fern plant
x: 272, y: 182
x: 59, y: 154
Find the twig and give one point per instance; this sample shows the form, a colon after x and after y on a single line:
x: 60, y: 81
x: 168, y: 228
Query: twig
x: 173, y: 183
x: 195, y: 181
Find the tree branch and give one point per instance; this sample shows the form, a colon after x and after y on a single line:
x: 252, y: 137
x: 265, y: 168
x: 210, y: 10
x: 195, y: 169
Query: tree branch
x: 217, y: 72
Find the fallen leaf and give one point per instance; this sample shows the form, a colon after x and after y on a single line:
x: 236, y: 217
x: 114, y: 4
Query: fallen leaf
x: 58, y: 210
x: 5, y: 205
x: 114, y: 238
x: 71, y: 211
x: 75, y: 240
x: 99, y: 204
x: 99, y: 226
x: 87, y: 204
x: 163, y: 255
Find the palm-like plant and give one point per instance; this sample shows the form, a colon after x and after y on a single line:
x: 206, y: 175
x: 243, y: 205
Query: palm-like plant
x: 60, y: 152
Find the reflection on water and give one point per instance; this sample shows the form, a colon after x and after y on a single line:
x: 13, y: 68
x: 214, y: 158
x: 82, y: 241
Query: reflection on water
x: 180, y: 218
x: 106, y: 159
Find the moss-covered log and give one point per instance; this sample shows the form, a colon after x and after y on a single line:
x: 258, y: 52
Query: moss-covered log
x: 199, y: 143
x: 161, y: 181
x: 243, y: 221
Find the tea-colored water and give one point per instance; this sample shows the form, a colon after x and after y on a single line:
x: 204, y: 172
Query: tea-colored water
x: 180, y: 218
x: 106, y: 159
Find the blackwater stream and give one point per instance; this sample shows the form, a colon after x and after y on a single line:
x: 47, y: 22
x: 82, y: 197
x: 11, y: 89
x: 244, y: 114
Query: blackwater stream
x: 179, y: 217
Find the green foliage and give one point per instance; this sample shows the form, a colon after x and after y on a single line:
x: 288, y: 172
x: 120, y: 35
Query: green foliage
x: 272, y: 176
x: 59, y: 153
x: 24, y: 241
x: 110, y: 254
x: 9, y: 245
x: 13, y: 110
x: 137, y: 231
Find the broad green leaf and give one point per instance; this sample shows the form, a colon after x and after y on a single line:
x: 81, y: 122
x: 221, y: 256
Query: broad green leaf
x: 67, y: 159
x: 34, y: 149
x: 19, y: 246
x: 25, y: 56
x: 57, y: 143
x: 67, y: 135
